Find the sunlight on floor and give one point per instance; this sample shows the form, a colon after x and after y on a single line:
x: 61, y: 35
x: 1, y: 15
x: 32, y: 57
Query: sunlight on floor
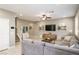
x: 13, y: 50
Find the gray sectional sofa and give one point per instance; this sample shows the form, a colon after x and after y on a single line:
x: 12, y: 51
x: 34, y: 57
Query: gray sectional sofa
x: 34, y: 47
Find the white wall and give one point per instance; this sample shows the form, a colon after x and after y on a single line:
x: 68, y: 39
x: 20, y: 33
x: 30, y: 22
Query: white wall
x: 20, y: 24
x: 11, y: 17
x: 69, y: 22
x: 12, y: 31
x: 77, y: 23
x: 35, y: 33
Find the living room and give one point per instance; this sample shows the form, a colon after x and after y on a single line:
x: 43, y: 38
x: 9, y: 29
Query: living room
x: 63, y: 27
x: 51, y: 24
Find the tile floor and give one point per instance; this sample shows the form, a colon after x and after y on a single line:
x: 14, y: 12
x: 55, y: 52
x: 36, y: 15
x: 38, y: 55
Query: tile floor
x: 12, y: 51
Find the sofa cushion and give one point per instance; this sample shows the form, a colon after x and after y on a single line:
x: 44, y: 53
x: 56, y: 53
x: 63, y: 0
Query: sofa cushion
x: 68, y: 38
x: 33, y: 47
x: 26, y: 46
x: 53, y: 49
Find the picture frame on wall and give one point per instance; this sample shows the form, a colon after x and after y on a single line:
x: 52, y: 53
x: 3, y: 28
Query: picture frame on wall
x: 41, y: 28
x: 25, y: 29
x: 62, y: 27
x: 30, y: 27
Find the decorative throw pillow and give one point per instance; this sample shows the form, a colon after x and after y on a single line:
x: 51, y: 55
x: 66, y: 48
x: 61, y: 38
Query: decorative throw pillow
x: 58, y: 37
x: 68, y: 38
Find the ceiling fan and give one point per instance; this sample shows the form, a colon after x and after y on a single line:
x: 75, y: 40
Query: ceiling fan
x: 45, y: 16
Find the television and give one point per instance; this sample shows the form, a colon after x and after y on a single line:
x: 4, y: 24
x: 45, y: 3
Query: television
x: 50, y: 27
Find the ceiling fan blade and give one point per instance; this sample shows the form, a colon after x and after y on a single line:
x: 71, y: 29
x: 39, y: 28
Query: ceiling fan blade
x: 49, y: 16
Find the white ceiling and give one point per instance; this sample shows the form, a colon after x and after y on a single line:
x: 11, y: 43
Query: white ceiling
x: 30, y: 11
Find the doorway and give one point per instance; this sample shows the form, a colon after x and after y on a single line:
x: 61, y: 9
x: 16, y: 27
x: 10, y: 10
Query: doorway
x: 4, y: 33
x: 17, y: 39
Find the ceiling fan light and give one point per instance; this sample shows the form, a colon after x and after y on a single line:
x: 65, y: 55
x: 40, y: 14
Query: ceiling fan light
x: 44, y: 17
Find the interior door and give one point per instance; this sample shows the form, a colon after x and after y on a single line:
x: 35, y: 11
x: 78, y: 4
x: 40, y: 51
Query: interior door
x: 4, y: 33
